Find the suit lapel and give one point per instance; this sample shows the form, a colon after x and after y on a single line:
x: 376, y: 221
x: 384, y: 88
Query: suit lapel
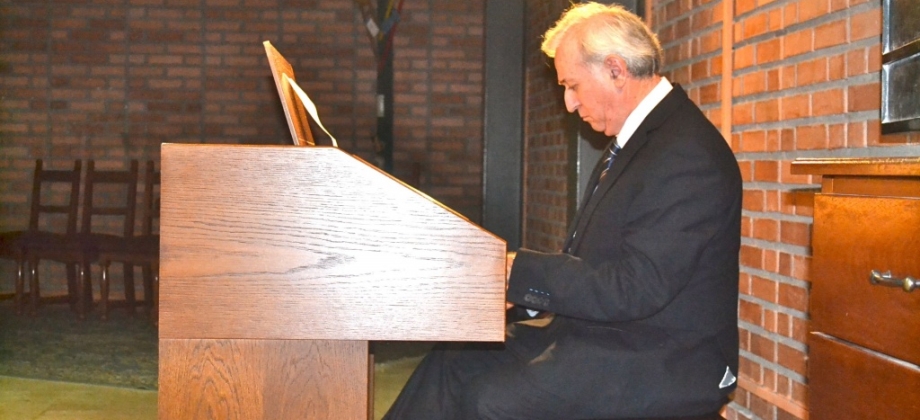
x: 639, y: 139
x: 586, y: 197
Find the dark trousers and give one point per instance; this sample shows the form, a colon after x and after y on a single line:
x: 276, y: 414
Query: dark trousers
x: 479, y: 381
x: 495, y: 381
x: 461, y: 384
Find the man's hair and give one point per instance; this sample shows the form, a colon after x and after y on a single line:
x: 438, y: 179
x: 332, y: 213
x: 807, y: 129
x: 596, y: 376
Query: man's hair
x: 602, y: 30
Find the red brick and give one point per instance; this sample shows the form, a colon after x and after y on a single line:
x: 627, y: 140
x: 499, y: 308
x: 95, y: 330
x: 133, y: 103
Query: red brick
x: 769, y: 321
x: 753, y: 141
x: 791, y: 358
x: 750, y: 312
x: 743, y: 113
x: 751, y: 257
x: 800, y: 329
x: 836, y: 67
x: 763, y: 347
x: 743, y: 57
x: 773, y: 202
x: 783, y: 324
x: 856, y: 135
x: 828, y: 102
x: 744, y: 6
x: 811, y: 137
x: 864, y: 97
x: 764, y: 289
x: 830, y: 34
x: 797, y: 43
x: 769, y: 51
x: 746, y: 227
x: 795, y: 106
x: 773, y: 80
x: 787, y: 177
x: 766, y: 171
x: 836, y: 136
x: 766, y: 111
x: 788, y: 77
x: 793, y: 297
x: 753, y: 26
x: 812, y: 71
x: 770, y: 260
x: 775, y: 19
x: 875, y: 58
x: 791, y: 14
x: 866, y: 24
x: 810, y: 9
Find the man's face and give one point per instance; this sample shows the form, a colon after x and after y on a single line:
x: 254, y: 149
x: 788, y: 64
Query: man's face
x: 590, y: 90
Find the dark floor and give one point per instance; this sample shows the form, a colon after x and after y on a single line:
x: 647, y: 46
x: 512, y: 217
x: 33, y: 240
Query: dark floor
x: 122, y: 351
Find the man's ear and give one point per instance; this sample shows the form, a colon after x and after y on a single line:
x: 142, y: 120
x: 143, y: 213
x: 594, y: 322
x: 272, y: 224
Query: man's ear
x: 615, y: 66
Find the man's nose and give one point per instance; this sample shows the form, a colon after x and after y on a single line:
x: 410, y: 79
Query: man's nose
x: 571, y: 103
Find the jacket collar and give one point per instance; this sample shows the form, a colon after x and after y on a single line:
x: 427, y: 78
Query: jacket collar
x: 671, y: 103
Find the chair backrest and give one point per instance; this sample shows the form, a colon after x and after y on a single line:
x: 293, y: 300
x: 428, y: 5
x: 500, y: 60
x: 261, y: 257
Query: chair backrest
x: 47, y: 186
x: 110, y: 193
x: 150, y: 201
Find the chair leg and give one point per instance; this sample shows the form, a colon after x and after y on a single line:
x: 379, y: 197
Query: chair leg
x: 86, y: 292
x: 73, y: 284
x: 155, y: 308
x: 104, y: 290
x: 130, y: 296
x: 33, y: 287
x: 20, y: 286
x: 147, y: 271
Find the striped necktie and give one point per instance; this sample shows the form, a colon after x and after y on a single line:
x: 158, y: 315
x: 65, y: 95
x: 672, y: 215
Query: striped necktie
x: 607, y: 162
x: 609, y: 154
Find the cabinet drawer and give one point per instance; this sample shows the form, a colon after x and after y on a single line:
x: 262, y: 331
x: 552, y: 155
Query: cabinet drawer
x: 854, y: 235
x: 848, y: 382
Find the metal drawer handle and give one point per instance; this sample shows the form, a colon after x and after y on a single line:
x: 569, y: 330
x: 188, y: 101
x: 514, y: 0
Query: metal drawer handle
x: 886, y: 279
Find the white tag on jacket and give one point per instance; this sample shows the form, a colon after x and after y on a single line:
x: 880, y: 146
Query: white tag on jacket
x: 728, y: 379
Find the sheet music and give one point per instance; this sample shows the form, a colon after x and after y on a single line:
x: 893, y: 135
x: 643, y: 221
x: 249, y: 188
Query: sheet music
x: 309, y: 106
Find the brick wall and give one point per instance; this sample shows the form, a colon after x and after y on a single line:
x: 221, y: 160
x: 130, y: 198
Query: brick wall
x: 804, y: 82
x: 111, y: 80
x: 692, y: 44
x: 546, y: 143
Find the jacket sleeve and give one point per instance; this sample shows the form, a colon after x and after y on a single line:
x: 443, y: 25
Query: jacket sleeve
x: 661, y: 226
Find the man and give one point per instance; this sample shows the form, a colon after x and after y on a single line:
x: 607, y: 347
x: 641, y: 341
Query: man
x: 638, y: 314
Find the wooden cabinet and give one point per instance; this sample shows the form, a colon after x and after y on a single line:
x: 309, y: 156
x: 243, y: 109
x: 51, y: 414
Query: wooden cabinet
x: 864, y: 345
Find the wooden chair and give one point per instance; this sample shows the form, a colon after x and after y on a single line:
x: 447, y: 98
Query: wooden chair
x: 83, y: 248
x: 142, y: 250
x: 46, y: 184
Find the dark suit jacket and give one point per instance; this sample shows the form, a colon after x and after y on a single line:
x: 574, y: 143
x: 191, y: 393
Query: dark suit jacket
x: 646, y: 301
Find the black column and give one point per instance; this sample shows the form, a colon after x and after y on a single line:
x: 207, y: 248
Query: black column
x: 384, y: 92
x: 503, y: 123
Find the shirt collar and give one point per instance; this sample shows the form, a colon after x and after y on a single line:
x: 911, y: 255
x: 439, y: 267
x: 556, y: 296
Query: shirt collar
x: 644, y: 108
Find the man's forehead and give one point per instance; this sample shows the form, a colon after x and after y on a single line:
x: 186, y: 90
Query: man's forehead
x: 566, y: 63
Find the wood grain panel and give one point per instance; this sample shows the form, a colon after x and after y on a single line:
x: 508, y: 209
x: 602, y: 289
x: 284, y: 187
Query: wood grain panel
x: 862, y: 358
x: 312, y: 243
x: 877, y: 186
x: 858, y: 384
x: 263, y: 379
x: 860, y: 234
x: 884, y: 167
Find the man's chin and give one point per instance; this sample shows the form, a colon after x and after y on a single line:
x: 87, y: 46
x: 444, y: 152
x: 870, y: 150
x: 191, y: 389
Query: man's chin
x: 596, y: 126
x: 603, y: 128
